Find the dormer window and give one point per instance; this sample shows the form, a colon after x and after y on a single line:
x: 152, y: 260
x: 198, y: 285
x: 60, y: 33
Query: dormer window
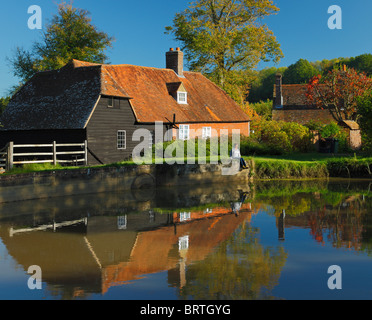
x: 182, y: 97
x: 178, y: 92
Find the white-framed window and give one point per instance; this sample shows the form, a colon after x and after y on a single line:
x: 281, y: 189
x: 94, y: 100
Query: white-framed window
x: 184, y: 132
x: 207, y: 132
x: 122, y: 222
x: 183, y: 243
x: 182, y: 97
x: 184, y: 216
x: 122, y: 140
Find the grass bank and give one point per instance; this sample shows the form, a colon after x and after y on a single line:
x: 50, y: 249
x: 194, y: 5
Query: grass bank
x: 288, y: 169
x: 312, y: 165
x: 295, y: 166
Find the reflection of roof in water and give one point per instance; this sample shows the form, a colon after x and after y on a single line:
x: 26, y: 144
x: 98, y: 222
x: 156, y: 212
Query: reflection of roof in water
x: 96, y: 256
x: 158, y: 250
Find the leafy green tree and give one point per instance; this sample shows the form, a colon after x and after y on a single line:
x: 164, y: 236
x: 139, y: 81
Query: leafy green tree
x: 3, y: 103
x: 261, y: 88
x: 263, y: 108
x: 70, y: 35
x: 362, y: 63
x: 223, y: 36
x: 300, y: 72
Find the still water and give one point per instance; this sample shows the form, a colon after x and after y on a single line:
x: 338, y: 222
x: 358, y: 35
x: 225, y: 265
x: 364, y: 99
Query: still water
x: 269, y: 240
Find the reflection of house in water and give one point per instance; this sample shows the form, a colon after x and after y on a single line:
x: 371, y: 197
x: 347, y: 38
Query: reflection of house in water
x: 99, y: 252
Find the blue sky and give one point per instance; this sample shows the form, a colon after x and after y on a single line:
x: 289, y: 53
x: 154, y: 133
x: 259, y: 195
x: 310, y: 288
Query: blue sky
x: 138, y: 27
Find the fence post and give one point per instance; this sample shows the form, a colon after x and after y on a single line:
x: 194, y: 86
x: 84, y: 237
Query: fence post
x: 86, y: 152
x: 10, y: 156
x: 54, y: 153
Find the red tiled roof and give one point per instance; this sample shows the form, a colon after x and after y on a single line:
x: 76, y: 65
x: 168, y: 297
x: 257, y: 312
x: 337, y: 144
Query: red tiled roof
x: 152, y: 101
x: 293, y: 94
x: 65, y: 98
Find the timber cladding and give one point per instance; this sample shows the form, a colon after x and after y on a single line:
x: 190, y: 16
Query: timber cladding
x: 103, y: 127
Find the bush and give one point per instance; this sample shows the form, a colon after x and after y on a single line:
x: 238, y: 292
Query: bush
x: 286, y: 136
x: 250, y: 146
x: 263, y: 108
x: 332, y: 130
x: 193, y: 152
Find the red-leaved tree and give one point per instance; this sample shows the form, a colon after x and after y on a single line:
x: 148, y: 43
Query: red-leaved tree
x: 339, y: 91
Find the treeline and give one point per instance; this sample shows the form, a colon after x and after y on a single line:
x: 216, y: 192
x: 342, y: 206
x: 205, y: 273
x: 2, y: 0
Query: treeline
x: 301, y: 72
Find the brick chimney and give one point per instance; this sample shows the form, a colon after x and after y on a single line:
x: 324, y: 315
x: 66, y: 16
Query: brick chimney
x: 174, y: 61
x: 278, y: 91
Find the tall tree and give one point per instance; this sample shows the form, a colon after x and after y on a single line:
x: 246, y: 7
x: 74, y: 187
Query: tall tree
x: 70, y: 35
x: 261, y: 89
x: 220, y: 37
x: 339, y: 91
x: 300, y: 72
x: 362, y: 63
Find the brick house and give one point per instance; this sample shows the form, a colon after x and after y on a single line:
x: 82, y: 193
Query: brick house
x: 290, y: 105
x: 105, y: 104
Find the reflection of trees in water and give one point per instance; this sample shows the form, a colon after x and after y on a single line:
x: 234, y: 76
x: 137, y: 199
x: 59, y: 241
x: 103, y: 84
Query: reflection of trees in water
x: 339, y: 214
x: 239, y: 269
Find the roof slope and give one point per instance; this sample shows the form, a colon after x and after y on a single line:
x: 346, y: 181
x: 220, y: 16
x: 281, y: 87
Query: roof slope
x: 150, y: 89
x: 61, y: 99
x: 65, y: 98
x: 295, y: 95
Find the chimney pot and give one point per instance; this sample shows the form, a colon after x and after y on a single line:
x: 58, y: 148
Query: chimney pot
x: 171, y: 49
x: 174, y: 61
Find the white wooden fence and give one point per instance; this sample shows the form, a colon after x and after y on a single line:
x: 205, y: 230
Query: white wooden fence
x: 17, y: 154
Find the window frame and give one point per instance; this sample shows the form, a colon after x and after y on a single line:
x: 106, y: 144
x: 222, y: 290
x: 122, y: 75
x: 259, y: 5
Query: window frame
x: 181, y: 129
x: 185, y: 216
x: 207, y: 132
x: 184, y: 94
x: 123, y: 145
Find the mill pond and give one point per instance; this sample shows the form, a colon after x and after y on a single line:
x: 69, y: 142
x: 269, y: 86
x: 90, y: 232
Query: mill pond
x: 265, y: 240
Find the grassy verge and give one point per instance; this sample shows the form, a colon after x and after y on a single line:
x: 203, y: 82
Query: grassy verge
x: 312, y: 166
x: 288, y: 169
x: 295, y: 166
